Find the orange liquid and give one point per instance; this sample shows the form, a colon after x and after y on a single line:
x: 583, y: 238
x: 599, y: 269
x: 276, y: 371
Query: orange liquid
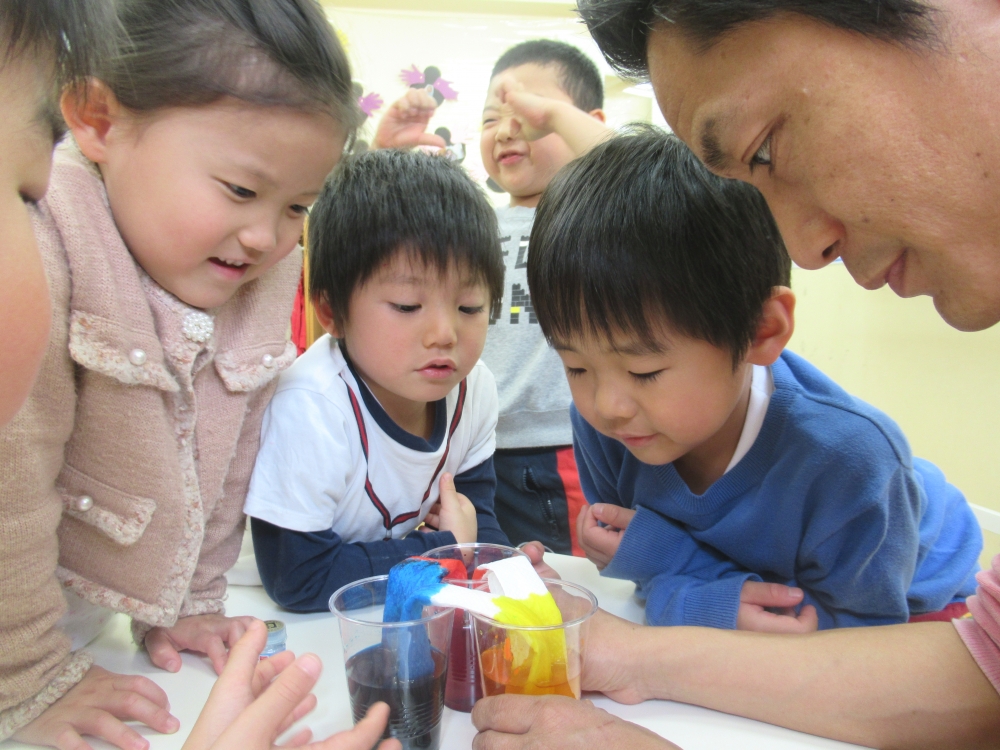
x: 500, y: 677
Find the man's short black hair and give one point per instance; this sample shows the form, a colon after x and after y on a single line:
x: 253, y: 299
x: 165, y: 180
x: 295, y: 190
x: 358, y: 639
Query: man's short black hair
x: 380, y: 203
x: 73, y: 34
x: 621, y: 28
x: 638, y: 233
x: 579, y: 77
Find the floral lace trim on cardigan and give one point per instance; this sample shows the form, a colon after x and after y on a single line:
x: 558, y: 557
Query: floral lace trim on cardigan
x: 26, y: 712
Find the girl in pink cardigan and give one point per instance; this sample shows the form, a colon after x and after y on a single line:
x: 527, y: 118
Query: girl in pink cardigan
x: 166, y: 237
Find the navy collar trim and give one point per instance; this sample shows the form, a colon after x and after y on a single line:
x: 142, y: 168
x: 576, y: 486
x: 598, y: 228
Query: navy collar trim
x: 393, y: 430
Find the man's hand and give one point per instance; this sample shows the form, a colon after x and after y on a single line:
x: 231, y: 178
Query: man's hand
x: 454, y: 512
x: 753, y: 614
x: 212, y: 635
x: 536, y: 553
x: 254, y: 702
x: 555, y: 722
x: 99, y: 705
x: 404, y: 124
x: 600, y: 543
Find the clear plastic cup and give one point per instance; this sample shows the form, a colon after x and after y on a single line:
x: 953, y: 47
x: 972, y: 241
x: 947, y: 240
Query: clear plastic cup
x: 404, y: 664
x: 464, y: 685
x: 537, y: 660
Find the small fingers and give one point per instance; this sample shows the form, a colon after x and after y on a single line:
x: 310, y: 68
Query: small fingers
x: 809, y: 619
x: 103, y: 725
x: 365, y: 733
x: 144, y: 687
x: 613, y: 515
x: 298, y: 739
x: 162, y: 651
x: 215, y: 649
x: 70, y: 739
x: 770, y: 594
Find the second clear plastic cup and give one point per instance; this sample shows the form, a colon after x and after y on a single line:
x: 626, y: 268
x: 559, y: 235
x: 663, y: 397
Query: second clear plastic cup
x: 537, y: 660
x: 404, y: 664
x: 464, y: 685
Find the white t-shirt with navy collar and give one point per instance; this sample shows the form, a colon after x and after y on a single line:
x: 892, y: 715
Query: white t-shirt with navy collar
x: 312, y: 472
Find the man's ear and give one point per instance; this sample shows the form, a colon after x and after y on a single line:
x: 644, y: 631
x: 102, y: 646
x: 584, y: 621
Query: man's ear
x: 324, y: 314
x: 598, y: 114
x: 777, y: 323
x: 91, y: 114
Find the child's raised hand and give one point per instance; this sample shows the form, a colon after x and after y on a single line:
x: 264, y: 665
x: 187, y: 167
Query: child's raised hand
x: 404, y: 125
x: 99, y: 705
x: 457, y: 513
x: 253, y: 702
x: 212, y: 635
x: 533, y: 113
x: 600, y: 543
x: 756, y: 597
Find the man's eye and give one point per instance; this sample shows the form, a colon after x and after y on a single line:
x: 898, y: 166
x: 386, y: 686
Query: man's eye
x: 646, y: 377
x: 471, y: 310
x: 405, y: 308
x: 763, y: 156
x: 241, y: 192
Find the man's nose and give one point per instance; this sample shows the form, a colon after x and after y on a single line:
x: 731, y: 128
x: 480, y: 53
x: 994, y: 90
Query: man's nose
x: 812, y: 236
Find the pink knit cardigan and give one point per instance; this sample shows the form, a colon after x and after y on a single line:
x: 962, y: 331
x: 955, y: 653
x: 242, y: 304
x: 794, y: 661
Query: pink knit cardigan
x: 982, y: 633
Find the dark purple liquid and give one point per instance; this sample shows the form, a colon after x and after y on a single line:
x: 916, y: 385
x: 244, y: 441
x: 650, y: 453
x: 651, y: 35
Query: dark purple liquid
x: 463, y: 688
x: 415, y: 706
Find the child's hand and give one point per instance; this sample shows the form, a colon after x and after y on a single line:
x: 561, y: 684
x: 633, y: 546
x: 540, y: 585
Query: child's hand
x: 254, y: 702
x: 404, y: 125
x: 212, y: 635
x: 456, y: 513
x: 533, y: 113
x: 600, y: 543
x: 753, y: 615
x: 99, y: 705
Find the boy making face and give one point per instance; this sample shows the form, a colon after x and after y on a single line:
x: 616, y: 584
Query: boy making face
x: 731, y: 476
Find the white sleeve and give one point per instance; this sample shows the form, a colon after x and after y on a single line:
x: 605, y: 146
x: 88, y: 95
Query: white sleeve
x: 305, y: 462
x: 483, y: 407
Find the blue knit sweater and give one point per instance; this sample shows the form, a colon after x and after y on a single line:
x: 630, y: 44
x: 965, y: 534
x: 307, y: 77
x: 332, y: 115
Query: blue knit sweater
x: 828, y: 498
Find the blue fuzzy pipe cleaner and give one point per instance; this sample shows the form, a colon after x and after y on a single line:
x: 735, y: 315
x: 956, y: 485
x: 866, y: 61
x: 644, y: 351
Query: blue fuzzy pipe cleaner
x: 409, y: 589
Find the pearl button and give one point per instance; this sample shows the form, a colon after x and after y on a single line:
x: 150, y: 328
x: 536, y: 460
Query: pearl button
x: 84, y: 503
x: 137, y: 357
x: 267, y: 360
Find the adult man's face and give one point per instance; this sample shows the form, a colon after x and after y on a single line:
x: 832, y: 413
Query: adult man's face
x: 885, y: 156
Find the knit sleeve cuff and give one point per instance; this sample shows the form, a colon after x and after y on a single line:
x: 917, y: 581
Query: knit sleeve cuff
x: 27, y: 711
x: 716, y: 604
x: 983, y: 649
x: 189, y: 608
x: 648, y: 547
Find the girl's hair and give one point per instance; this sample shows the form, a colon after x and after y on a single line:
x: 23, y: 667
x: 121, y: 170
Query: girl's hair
x: 187, y: 53
x: 74, y: 34
x: 380, y: 203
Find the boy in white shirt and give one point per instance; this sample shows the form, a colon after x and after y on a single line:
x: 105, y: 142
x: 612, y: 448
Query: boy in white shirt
x: 389, y: 421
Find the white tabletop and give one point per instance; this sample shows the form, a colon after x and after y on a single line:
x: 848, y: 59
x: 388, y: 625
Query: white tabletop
x: 688, y: 726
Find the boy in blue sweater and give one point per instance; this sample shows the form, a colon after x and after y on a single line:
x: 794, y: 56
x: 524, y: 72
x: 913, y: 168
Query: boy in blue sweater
x: 734, y: 482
